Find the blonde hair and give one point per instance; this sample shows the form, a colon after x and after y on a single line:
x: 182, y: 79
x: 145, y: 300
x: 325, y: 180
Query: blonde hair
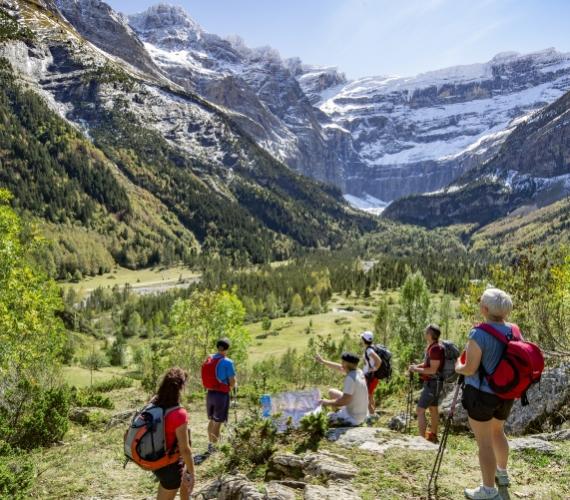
x: 498, y: 303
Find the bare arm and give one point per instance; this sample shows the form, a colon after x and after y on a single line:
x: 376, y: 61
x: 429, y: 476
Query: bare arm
x: 342, y: 401
x: 426, y: 370
x: 472, y: 360
x: 329, y: 364
x: 186, y: 452
x: 376, y: 361
x: 232, y: 382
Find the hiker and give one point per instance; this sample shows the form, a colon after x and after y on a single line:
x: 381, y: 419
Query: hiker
x: 372, y: 363
x: 352, y: 402
x: 179, y: 475
x: 429, y: 372
x: 219, y: 378
x: 487, y: 412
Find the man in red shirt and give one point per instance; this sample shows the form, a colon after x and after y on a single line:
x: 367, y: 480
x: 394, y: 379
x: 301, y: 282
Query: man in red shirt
x: 430, y: 374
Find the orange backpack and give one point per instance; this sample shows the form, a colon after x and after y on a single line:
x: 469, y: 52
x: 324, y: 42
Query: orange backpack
x: 145, y: 439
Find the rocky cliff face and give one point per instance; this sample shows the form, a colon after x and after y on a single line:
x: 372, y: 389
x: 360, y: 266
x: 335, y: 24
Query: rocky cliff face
x: 418, y: 134
x: 532, y: 168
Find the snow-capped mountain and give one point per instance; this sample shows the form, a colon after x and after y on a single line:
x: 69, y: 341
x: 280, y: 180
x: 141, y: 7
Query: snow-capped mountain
x: 255, y: 84
x: 376, y: 138
x: 417, y: 134
x: 187, y: 165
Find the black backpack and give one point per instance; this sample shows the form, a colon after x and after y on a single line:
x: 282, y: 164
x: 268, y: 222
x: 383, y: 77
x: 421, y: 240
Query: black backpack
x: 451, y: 354
x: 385, y: 370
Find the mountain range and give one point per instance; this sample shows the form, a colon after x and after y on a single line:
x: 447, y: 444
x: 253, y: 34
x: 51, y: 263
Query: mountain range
x: 189, y: 141
x: 376, y: 138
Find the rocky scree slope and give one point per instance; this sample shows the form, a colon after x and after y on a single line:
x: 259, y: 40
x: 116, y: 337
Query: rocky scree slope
x: 185, y: 152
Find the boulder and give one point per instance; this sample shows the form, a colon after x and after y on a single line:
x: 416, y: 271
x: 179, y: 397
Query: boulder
x: 333, y: 491
x: 531, y: 443
x: 322, y: 464
x: 329, y: 466
x: 120, y: 418
x: 236, y: 487
x: 239, y: 488
x: 397, y: 423
x: 277, y: 491
x: 378, y: 440
x: 81, y: 415
x: 547, y: 398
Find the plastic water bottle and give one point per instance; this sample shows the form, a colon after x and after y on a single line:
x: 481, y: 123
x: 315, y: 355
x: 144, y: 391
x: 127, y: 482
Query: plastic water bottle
x: 265, y: 401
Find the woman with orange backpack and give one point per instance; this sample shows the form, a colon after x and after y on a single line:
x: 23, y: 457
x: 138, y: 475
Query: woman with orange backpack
x: 499, y: 367
x: 180, y: 474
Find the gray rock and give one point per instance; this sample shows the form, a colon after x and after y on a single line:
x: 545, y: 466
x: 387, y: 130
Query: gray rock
x: 561, y: 435
x: 329, y: 466
x: 81, y: 415
x: 531, y: 443
x: 378, y: 440
x: 239, y: 488
x: 324, y: 465
x: 120, y: 418
x: 397, y: 423
x: 277, y: 491
x: 546, y: 399
x: 333, y: 491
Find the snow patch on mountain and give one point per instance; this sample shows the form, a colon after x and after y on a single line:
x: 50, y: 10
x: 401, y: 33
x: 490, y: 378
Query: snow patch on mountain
x: 366, y: 203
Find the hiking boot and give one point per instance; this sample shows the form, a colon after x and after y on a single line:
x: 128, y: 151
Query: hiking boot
x: 502, y: 478
x: 431, y: 437
x: 482, y: 493
x: 200, y: 459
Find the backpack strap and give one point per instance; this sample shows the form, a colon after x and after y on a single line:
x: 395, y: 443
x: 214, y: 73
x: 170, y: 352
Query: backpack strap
x: 491, y: 330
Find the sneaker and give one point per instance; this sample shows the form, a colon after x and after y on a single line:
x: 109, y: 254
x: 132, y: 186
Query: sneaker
x: 431, y: 437
x: 482, y: 493
x: 211, y: 448
x: 502, y: 478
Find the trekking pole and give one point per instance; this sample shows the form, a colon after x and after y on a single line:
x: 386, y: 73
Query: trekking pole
x: 432, y: 484
x: 409, y: 404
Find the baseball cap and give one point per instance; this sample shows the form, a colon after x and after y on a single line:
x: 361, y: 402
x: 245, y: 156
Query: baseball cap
x: 350, y: 357
x: 367, y: 336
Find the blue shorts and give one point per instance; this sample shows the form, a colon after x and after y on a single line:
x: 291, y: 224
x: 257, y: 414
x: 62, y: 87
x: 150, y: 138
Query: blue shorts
x: 218, y: 406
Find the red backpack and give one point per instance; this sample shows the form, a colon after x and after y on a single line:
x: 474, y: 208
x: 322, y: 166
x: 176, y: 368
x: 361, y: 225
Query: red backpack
x: 209, y: 379
x: 521, y: 365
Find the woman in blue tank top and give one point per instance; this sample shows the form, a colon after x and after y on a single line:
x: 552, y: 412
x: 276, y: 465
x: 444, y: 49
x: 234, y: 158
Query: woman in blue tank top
x: 487, y: 412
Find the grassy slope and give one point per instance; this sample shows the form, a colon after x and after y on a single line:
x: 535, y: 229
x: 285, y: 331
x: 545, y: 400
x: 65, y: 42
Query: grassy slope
x: 90, y: 465
x: 545, y: 226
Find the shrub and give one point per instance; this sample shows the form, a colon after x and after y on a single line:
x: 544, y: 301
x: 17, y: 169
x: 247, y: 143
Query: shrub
x: 312, y: 429
x: 88, y: 397
x: 113, y: 384
x: 253, y: 443
x: 16, y: 473
x: 41, y: 417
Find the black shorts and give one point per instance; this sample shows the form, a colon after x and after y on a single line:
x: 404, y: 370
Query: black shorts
x: 218, y: 406
x: 170, y: 477
x: 431, y: 393
x: 483, y: 406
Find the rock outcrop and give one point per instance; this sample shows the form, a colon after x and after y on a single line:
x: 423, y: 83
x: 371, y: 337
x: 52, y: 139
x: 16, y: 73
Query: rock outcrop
x: 547, y: 399
x: 377, y: 440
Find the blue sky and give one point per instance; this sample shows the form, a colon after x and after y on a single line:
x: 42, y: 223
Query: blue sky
x: 384, y: 37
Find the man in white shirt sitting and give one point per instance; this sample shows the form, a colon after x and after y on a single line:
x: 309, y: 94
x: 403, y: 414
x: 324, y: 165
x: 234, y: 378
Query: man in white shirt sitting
x: 352, y: 402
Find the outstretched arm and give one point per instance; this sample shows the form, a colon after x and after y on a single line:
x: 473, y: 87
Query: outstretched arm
x: 329, y: 364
